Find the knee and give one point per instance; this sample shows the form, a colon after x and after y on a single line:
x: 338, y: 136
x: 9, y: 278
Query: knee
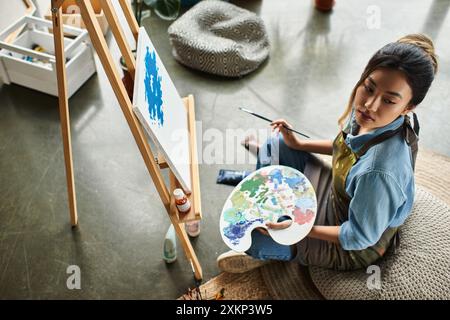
x: 275, y: 151
x: 290, y: 157
x: 274, y: 144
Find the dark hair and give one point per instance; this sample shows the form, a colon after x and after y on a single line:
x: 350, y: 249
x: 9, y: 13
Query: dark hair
x: 414, y: 56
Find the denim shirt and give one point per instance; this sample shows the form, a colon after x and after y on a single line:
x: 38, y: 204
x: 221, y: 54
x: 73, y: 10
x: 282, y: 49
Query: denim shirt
x: 380, y: 185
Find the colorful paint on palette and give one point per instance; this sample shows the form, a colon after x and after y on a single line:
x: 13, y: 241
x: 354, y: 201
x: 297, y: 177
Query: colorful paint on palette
x: 267, y: 195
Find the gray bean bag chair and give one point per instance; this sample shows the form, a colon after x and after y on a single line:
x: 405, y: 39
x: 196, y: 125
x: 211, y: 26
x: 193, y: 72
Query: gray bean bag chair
x: 219, y: 38
x: 420, y: 269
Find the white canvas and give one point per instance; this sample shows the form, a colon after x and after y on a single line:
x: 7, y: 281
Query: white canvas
x: 161, y: 110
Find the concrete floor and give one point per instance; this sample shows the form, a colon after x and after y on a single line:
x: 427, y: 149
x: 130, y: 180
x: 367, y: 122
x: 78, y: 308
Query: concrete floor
x: 315, y: 61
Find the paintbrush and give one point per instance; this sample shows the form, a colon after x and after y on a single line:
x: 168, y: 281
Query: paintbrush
x: 267, y: 119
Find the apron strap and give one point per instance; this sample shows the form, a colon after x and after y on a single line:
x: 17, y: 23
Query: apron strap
x: 416, y: 124
x: 411, y: 136
x: 411, y: 133
x: 380, y: 138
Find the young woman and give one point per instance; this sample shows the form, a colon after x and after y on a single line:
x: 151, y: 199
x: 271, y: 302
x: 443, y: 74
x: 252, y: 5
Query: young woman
x: 368, y: 192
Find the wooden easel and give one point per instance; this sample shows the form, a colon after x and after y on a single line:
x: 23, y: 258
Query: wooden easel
x: 154, y: 165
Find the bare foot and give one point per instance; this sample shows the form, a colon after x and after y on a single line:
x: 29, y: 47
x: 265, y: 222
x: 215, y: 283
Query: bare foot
x: 251, y: 144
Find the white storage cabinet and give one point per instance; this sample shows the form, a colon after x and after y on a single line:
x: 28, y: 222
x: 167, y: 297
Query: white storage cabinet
x: 41, y: 75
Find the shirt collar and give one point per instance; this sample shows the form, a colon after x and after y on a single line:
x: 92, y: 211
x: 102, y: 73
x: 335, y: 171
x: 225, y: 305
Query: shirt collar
x: 355, y: 142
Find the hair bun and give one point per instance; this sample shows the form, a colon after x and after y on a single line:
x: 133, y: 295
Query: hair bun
x: 423, y: 42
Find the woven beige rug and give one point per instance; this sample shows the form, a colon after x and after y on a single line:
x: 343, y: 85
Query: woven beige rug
x: 230, y: 286
x: 432, y: 172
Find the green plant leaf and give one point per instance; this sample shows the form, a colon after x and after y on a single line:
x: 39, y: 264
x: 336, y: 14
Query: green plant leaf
x: 167, y: 9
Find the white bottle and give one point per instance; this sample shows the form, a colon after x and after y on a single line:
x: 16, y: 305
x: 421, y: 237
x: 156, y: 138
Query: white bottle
x: 170, y: 246
x: 182, y: 202
x: 192, y: 228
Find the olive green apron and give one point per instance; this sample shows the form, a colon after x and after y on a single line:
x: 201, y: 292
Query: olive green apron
x: 343, y: 160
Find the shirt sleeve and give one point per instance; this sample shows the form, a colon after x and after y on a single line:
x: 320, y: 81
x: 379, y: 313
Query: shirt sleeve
x: 376, y: 199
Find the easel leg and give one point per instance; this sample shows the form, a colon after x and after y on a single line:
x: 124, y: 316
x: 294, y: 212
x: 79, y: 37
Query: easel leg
x: 185, y: 242
x: 119, y: 35
x: 128, y: 12
x: 64, y: 109
x: 99, y: 43
x: 181, y: 232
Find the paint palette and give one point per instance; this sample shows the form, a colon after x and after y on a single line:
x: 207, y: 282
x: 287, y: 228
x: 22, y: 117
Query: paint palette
x: 265, y: 196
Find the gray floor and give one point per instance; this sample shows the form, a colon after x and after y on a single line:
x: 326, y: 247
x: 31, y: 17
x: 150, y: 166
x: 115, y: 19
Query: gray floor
x: 315, y: 61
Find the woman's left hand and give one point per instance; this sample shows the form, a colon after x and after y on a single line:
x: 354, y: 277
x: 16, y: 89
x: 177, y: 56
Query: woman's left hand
x: 279, y: 225
x: 275, y: 226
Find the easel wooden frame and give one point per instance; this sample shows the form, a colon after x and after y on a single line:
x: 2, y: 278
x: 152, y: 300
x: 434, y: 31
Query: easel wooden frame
x: 154, y: 165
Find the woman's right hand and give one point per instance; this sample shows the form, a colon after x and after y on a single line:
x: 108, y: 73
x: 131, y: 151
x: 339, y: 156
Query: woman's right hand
x: 289, y: 138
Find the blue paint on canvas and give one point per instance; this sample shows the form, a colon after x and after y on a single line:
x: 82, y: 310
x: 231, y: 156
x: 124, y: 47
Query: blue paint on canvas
x: 153, y: 92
